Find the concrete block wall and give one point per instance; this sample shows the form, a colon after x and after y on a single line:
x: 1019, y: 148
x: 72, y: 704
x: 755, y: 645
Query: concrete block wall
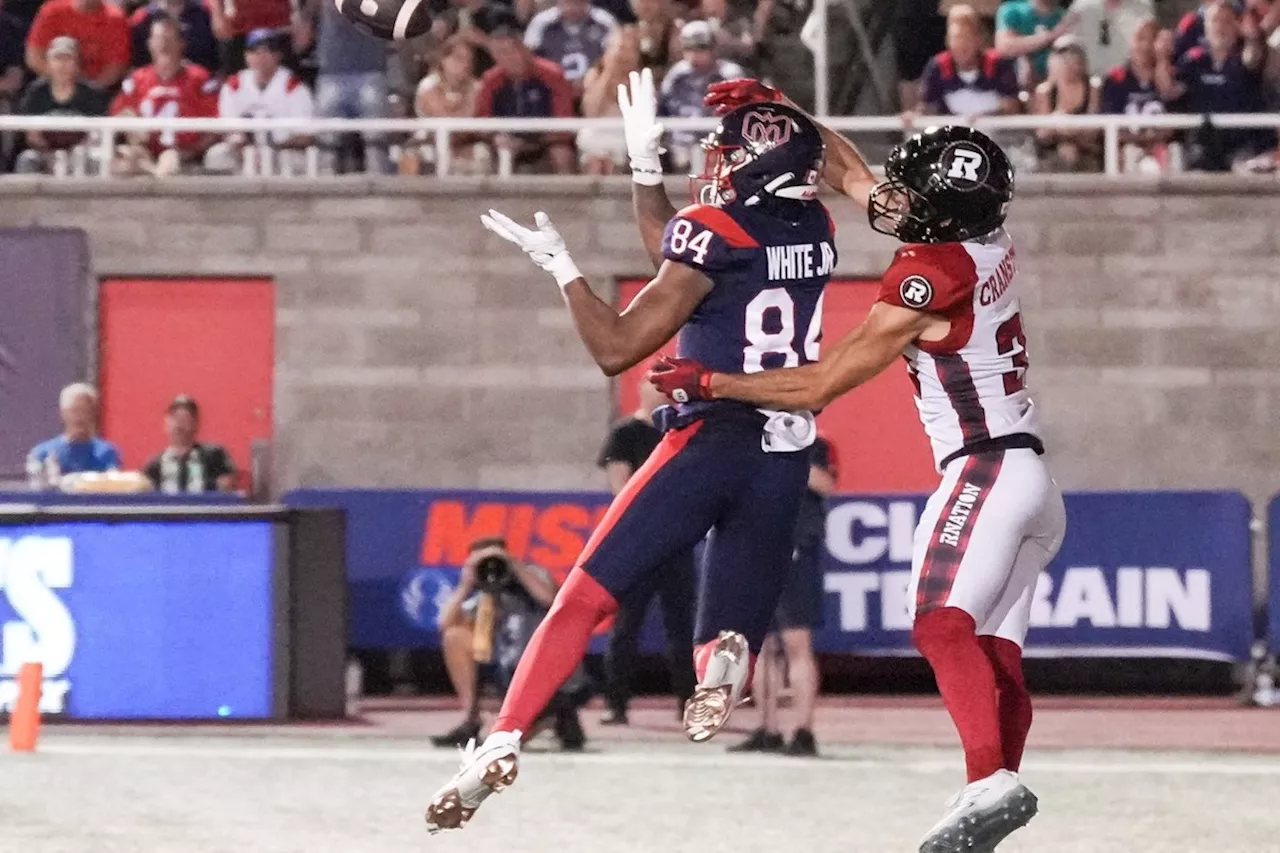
x: 414, y: 348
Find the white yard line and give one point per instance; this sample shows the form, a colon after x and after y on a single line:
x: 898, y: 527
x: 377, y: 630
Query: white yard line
x: 714, y: 759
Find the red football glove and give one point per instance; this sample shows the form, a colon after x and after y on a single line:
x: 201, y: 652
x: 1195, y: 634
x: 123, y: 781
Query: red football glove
x: 683, y: 380
x: 729, y: 95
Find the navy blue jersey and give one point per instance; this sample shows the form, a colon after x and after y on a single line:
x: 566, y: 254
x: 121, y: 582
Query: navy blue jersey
x: 1124, y: 94
x: 765, y: 307
x: 1211, y: 88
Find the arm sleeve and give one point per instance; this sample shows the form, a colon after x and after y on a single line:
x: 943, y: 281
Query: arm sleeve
x: 936, y: 278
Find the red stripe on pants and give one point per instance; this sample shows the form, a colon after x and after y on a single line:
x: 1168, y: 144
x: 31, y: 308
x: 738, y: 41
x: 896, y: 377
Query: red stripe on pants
x: 954, y: 528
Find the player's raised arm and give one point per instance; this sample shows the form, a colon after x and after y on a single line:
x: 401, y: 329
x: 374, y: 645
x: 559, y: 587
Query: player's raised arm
x: 859, y: 356
x: 639, y: 106
x: 846, y: 170
x: 617, y: 341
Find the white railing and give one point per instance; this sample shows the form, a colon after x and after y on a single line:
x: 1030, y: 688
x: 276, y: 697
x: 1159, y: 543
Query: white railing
x: 105, y: 130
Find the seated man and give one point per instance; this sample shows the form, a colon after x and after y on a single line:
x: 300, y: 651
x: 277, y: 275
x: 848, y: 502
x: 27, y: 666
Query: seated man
x: 169, y: 87
x: 77, y: 449
x: 489, y: 619
x: 187, y: 465
x: 966, y: 80
x: 98, y: 27
x: 572, y: 34
x: 62, y: 93
x: 521, y: 85
x: 1131, y: 89
x: 266, y: 89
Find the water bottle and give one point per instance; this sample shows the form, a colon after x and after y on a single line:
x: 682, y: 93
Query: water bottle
x: 35, y: 474
x: 195, y: 473
x: 52, y: 471
x: 354, y: 681
x: 168, y: 474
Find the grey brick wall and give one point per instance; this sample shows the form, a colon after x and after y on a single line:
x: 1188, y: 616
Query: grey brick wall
x: 414, y: 348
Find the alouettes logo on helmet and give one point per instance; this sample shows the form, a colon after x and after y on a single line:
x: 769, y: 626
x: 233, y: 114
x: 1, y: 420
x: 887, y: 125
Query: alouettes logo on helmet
x: 766, y: 130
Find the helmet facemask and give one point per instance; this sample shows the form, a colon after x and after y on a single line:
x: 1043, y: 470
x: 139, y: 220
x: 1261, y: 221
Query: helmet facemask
x: 713, y: 185
x: 899, y: 211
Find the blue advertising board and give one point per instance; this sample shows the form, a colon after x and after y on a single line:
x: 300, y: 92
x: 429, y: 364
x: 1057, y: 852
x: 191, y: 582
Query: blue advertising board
x: 1273, y: 553
x: 1140, y: 573
x: 140, y: 619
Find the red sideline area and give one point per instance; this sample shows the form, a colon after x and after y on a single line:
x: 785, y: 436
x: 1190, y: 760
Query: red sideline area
x: 1061, y: 722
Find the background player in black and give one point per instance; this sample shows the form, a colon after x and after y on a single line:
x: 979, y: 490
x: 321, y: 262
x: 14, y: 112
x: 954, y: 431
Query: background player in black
x: 789, y: 647
x: 631, y: 441
x: 188, y: 465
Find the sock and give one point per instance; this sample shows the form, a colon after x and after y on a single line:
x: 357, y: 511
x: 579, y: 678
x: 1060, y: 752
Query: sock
x: 948, y: 640
x: 555, y: 650
x: 1014, y: 699
x: 702, y: 657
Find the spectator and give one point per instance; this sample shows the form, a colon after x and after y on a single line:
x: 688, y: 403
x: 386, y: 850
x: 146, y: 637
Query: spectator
x: 1106, y: 29
x: 12, y: 71
x: 521, y: 85
x: 630, y: 443
x: 659, y: 35
x: 687, y: 81
x: 62, y: 93
x: 986, y: 10
x: 490, y: 618
x: 450, y: 91
x: 23, y: 13
x: 474, y: 21
x: 1222, y: 76
x: 1131, y: 89
x: 965, y: 80
x: 233, y: 20
x: 1068, y: 91
x: 266, y: 89
x: 188, y: 466
x: 790, y: 642
x: 197, y: 31
x: 737, y: 27
x: 919, y: 32
x: 170, y: 87
x: 571, y: 33
x: 99, y: 28
x: 352, y: 83
x: 1190, y: 31
x: 604, y: 151
x: 78, y: 449
x: 1027, y: 29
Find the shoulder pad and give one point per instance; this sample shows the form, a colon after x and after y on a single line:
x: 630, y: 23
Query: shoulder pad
x: 930, y: 277
x: 721, y: 223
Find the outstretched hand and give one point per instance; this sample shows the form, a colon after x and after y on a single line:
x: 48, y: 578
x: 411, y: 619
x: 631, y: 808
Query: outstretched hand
x: 544, y: 246
x: 643, y: 131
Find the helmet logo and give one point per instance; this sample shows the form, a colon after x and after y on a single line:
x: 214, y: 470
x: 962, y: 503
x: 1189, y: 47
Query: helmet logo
x: 764, y: 129
x: 916, y: 291
x: 966, y: 166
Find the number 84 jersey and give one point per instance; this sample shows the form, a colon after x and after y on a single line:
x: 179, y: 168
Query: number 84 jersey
x: 764, y: 310
x: 970, y: 386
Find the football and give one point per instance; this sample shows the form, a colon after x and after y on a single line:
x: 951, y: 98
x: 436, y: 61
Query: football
x: 387, y: 19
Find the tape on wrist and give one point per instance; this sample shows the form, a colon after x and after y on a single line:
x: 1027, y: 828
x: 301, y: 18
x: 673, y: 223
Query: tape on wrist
x: 563, y: 269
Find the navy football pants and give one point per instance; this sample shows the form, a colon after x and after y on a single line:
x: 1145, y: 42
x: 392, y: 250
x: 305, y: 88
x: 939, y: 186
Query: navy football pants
x: 709, y: 476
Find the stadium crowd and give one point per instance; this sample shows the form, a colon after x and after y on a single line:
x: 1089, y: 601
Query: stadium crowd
x: 560, y: 58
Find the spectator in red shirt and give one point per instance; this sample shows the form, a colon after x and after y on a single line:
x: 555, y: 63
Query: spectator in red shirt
x: 169, y: 87
x: 99, y: 28
x: 521, y: 85
x: 233, y: 20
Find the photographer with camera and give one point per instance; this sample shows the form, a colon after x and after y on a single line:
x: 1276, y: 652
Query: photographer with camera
x: 488, y: 621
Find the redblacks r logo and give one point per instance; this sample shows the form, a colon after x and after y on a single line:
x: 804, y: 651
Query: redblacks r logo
x: 765, y: 129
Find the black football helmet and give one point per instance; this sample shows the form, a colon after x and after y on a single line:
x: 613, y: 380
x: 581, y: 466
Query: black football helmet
x: 945, y: 185
x: 767, y: 154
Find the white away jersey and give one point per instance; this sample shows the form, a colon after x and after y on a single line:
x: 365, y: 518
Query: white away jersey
x: 970, y: 386
x: 284, y: 96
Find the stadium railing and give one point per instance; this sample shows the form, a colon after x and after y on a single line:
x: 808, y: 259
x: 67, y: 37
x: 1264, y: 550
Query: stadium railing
x: 440, y: 131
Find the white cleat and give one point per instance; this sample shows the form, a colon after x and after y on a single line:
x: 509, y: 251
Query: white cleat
x: 981, y: 815
x: 721, y: 688
x: 487, y: 769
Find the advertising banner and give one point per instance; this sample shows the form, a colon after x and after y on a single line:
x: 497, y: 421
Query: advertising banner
x: 1140, y: 574
x: 140, y: 619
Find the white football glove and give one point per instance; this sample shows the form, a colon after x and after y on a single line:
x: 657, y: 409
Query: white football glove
x: 545, y: 246
x: 640, y: 125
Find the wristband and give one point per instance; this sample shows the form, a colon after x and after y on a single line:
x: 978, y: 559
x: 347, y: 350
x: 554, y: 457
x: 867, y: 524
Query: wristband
x: 646, y: 171
x: 563, y: 268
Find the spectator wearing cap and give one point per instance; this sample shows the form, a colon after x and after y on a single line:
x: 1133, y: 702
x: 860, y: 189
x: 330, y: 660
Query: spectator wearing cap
x: 188, y: 466
x: 966, y: 80
x: 100, y: 29
x: 351, y: 83
x: 1224, y: 75
x: 1069, y: 90
x: 266, y: 89
x: 1027, y: 29
x: 197, y: 31
x: 1106, y: 29
x: 572, y: 33
x: 61, y: 93
x: 78, y: 449
x: 233, y: 20
x: 522, y: 85
x: 686, y: 83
